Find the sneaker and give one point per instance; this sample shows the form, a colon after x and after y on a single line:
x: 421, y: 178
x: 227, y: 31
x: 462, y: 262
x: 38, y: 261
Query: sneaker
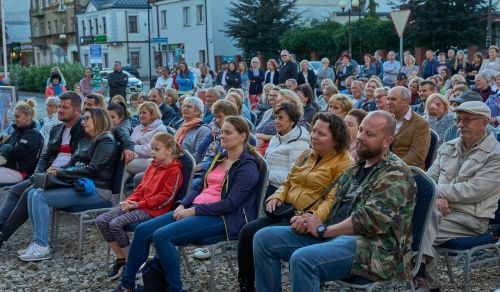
x: 23, y: 251
x: 117, y: 269
x: 201, y: 253
x: 421, y: 284
x: 37, y: 253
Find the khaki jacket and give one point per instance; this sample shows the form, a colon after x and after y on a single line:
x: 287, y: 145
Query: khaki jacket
x: 412, y: 142
x: 470, y: 182
x: 307, y: 180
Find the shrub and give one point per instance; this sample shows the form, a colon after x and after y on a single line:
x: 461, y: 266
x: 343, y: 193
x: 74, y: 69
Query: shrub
x: 34, y: 78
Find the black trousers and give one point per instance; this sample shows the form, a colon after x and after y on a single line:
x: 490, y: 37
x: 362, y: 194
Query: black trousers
x: 14, y: 214
x: 246, y: 273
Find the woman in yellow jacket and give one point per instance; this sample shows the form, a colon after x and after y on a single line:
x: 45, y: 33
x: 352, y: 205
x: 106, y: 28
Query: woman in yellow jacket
x: 306, y: 187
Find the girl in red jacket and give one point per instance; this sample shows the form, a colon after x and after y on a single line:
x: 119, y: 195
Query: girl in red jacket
x: 153, y: 197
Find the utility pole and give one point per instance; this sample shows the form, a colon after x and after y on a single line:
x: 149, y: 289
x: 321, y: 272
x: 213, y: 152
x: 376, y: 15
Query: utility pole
x: 488, y: 28
x: 4, y: 43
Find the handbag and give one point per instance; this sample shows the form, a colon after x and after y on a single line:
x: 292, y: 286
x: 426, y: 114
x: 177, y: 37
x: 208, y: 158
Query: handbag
x: 46, y: 181
x: 287, y: 211
x: 151, y: 277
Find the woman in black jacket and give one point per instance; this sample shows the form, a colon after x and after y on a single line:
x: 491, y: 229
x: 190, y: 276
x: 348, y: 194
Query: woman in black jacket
x: 233, y: 77
x: 19, y: 154
x: 95, y: 160
x: 306, y: 75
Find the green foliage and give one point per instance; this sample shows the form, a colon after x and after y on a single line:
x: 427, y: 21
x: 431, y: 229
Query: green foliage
x: 329, y: 39
x: 34, y: 78
x: 439, y: 24
x: 257, y: 25
x: 320, y: 38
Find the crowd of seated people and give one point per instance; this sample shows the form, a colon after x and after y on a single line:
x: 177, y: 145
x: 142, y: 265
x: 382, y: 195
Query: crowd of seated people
x: 337, y: 162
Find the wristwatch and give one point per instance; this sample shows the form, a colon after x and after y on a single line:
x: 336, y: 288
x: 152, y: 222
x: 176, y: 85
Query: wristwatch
x: 321, y: 231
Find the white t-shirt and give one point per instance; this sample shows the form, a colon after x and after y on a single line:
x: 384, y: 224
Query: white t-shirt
x: 63, y: 158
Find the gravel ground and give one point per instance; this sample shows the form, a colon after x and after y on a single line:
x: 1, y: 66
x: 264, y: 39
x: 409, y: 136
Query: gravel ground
x: 65, y: 273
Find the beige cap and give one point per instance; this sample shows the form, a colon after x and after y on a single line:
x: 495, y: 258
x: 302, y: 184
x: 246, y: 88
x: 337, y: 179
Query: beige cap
x: 474, y: 107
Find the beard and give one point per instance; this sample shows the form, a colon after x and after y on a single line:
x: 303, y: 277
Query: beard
x: 366, y: 153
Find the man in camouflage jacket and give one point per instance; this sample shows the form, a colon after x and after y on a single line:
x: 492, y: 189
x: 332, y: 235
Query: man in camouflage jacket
x: 371, y: 234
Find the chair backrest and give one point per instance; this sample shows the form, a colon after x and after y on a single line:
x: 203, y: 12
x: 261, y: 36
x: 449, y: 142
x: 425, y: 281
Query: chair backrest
x: 118, y: 181
x: 252, y: 140
x: 432, y: 149
x: 425, y: 197
x: 262, y: 186
x: 188, y: 165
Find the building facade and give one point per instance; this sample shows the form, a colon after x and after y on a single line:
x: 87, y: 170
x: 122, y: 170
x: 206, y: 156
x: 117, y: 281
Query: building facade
x: 53, y: 31
x: 121, y: 28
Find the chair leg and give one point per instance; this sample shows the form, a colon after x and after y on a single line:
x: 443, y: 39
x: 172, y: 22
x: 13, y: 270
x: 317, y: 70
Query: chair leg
x: 80, y: 238
x: 448, y: 265
x: 183, y: 253
x: 57, y: 218
x: 108, y: 255
x: 467, y: 271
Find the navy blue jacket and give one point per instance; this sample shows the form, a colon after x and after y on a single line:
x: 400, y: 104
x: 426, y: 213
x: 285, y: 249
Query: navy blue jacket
x: 239, y: 195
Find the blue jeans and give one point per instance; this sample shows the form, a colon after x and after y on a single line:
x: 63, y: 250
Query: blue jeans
x: 311, y: 260
x: 40, y: 201
x: 167, y: 234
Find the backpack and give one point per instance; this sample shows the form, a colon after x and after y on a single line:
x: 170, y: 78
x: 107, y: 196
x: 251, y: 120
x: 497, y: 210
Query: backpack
x: 151, y: 277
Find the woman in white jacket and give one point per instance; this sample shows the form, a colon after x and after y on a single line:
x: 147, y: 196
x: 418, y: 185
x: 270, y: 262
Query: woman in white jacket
x: 288, y: 143
x: 150, y: 117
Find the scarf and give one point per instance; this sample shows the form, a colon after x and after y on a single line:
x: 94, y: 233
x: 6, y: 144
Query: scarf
x: 185, y: 127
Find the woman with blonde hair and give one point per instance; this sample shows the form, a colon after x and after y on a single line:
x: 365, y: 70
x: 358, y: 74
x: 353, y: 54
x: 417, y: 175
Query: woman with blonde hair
x: 368, y: 104
x: 19, y: 154
x: 340, y: 104
x: 460, y: 63
x: 256, y: 78
x: 437, y: 113
x: 410, y: 69
x: 306, y: 75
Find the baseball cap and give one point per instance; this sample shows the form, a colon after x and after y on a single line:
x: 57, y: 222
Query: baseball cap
x: 401, y: 76
x: 474, y: 107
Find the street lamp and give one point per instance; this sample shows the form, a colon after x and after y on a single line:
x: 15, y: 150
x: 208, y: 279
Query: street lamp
x: 343, y: 6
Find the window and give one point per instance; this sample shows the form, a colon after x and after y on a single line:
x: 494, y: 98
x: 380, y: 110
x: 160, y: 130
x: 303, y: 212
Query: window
x: 104, y: 25
x: 96, y: 26
x: 86, y: 59
x: 83, y: 28
x: 135, y: 59
x: 63, y: 25
x: 56, y: 26
x: 164, y: 18
x: 132, y: 24
x: 49, y: 29
x: 37, y: 30
x: 42, y: 28
x: 90, y: 27
x: 186, y: 20
x: 200, y: 14
x: 72, y: 23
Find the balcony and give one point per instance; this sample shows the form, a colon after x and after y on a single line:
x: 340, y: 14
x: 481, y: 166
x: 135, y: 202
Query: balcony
x: 38, y: 13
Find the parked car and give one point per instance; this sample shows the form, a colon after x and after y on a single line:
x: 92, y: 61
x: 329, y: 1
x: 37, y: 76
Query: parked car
x: 132, y: 70
x: 315, y: 66
x: 134, y: 84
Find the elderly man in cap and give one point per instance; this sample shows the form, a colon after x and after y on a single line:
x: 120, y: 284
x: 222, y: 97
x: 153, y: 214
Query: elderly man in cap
x: 466, y: 172
x: 466, y: 96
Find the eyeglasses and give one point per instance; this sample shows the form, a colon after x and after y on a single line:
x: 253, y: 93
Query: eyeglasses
x: 284, y: 55
x: 86, y: 118
x: 466, y: 121
x: 273, y: 95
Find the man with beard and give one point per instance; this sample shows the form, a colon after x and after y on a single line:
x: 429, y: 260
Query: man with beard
x: 63, y: 141
x: 412, y: 137
x: 371, y: 216
x: 466, y: 173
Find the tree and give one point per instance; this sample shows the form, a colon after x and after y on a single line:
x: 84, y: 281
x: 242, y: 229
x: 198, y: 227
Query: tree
x: 257, y: 25
x: 319, y: 38
x: 372, y: 9
x: 440, y: 24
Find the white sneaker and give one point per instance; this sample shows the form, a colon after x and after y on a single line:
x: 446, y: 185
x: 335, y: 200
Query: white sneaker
x: 201, y: 253
x: 23, y: 251
x: 37, y: 253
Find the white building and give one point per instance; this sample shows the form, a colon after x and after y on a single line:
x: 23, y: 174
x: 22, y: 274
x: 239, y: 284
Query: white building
x: 194, y: 31
x: 121, y: 27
